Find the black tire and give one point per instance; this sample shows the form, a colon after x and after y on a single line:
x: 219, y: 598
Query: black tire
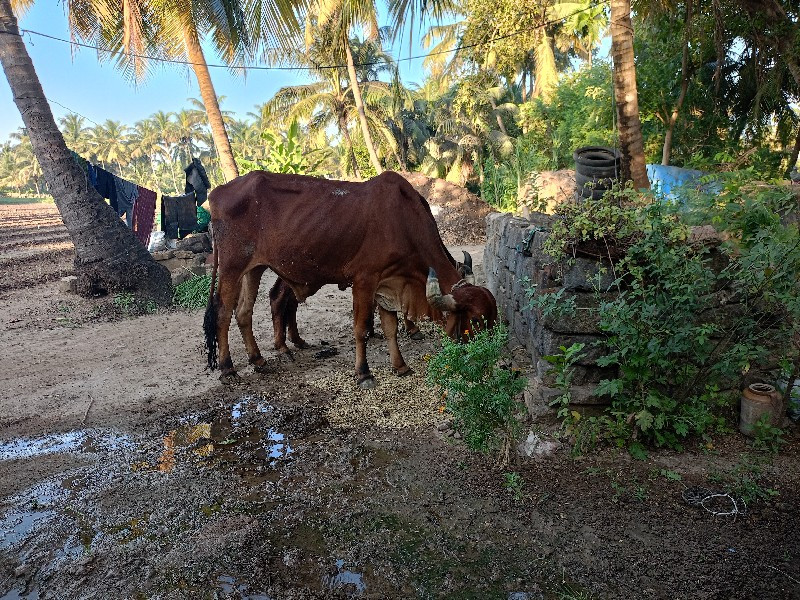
x: 594, y: 194
x: 596, y: 156
x: 597, y: 172
x: 596, y: 182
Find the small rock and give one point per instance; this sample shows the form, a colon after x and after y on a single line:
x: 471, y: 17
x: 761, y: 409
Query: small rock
x: 68, y: 285
x: 163, y: 255
x: 443, y: 426
x: 181, y: 275
x: 457, y: 435
x: 534, y: 445
x: 21, y: 571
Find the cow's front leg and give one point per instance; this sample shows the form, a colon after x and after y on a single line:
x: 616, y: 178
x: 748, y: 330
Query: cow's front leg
x: 244, y: 316
x: 389, y: 325
x: 291, y: 319
x: 362, y: 308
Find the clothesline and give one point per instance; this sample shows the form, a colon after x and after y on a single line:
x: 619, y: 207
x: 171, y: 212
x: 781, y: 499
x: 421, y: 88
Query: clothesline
x: 138, y: 203
x: 135, y: 202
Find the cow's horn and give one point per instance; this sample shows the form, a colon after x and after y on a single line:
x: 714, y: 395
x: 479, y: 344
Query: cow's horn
x: 469, y: 276
x: 434, y: 294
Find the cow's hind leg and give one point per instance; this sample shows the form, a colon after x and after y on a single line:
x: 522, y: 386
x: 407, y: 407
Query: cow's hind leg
x: 389, y: 325
x: 244, y: 316
x: 412, y: 330
x: 227, y: 298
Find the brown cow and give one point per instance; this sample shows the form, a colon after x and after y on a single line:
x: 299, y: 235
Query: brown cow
x: 378, y: 237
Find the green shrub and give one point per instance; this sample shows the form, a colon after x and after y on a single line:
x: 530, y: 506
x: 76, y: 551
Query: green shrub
x: 193, y: 293
x: 687, y: 320
x: 480, y: 394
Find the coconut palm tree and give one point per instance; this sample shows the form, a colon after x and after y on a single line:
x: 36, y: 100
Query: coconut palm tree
x: 338, y: 18
x: 109, y: 143
x: 75, y: 132
x: 174, y: 29
x: 625, y: 94
x: 108, y: 257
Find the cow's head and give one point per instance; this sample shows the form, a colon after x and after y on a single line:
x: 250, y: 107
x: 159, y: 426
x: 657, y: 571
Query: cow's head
x: 467, y: 307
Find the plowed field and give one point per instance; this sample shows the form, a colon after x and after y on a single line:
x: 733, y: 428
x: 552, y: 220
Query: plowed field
x: 34, y: 246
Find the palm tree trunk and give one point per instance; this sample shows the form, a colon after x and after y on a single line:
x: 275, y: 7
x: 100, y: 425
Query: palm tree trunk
x: 362, y: 115
x: 346, y: 134
x: 218, y: 132
x: 546, y: 74
x: 673, y: 119
x: 627, y: 99
x: 108, y: 257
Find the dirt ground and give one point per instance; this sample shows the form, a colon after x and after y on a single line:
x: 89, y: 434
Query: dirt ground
x: 128, y: 471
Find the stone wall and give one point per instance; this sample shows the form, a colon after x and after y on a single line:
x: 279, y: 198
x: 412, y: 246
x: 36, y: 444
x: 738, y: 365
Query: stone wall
x: 516, y: 269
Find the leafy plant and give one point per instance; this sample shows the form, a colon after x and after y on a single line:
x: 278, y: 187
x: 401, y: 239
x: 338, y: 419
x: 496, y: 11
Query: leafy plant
x: 687, y: 319
x: 193, y: 293
x: 563, y: 372
x: 287, y: 154
x: 480, y: 393
x: 514, y: 483
x: 766, y: 436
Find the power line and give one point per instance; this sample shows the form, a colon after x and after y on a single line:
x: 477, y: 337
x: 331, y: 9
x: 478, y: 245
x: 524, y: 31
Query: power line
x: 50, y: 100
x: 315, y: 67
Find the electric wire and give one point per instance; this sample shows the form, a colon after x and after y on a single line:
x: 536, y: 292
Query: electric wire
x: 310, y: 68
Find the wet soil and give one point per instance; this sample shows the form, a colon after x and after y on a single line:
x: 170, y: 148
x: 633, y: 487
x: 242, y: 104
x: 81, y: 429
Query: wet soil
x: 128, y: 471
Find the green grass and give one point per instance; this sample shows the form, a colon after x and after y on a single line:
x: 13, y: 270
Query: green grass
x: 7, y: 200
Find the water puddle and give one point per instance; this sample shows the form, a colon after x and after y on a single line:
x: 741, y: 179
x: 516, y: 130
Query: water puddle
x: 20, y: 520
x: 72, y: 441
x: 229, y: 585
x: 227, y: 440
x: 16, y: 594
x: 349, y: 582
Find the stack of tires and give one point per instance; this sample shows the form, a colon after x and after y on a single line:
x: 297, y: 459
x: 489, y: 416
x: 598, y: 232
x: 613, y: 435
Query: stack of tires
x: 596, y: 170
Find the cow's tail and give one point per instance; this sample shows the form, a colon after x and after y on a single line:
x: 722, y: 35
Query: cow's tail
x: 210, y: 319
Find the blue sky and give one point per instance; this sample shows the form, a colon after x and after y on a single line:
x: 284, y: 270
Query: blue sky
x: 78, y: 80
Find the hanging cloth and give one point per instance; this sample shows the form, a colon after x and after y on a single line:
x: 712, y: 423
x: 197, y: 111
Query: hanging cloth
x: 127, y: 193
x: 144, y: 212
x: 178, y: 215
x: 105, y: 186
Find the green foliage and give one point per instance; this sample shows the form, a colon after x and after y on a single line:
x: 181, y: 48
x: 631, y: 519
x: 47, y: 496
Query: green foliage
x: 688, y: 320
x: 481, y: 395
x: 579, y: 113
x: 286, y: 155
x: 563, y: 372
x: 766, y: 436
x: 514, y: 483
x: 745, y: 480
x: 193, y: 293
x: 130, y: 305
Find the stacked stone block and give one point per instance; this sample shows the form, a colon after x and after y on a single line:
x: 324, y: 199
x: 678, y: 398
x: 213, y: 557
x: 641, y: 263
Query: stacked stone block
x: 517, y: 269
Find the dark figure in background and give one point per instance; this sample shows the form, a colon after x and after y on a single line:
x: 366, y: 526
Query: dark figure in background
x: 181, y: 215
x: 197, y: 181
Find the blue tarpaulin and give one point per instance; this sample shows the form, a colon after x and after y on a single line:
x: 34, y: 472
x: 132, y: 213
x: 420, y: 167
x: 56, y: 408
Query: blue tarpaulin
x: 668, y: 181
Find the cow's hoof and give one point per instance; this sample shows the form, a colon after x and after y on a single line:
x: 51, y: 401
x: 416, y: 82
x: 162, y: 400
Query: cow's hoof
x: 286, y: 357
x: 301, y: 345
x: 265, y: 368
x: 230, y: 378
x: 403, y: 371
x: 368, y: 383
x: 417, y: 335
